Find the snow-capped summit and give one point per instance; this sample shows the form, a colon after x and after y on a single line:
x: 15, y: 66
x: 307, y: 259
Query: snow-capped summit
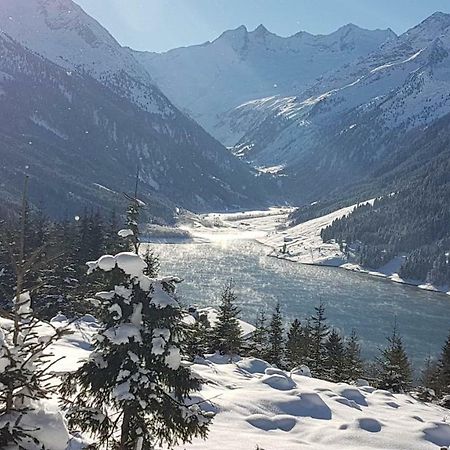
x: 240, y: 66
x: 62, y: 32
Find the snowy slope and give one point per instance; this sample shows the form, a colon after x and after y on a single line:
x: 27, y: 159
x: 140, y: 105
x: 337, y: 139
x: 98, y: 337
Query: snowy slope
x: 260, y: 405
x: 256, y: 404
x: 209, y: 79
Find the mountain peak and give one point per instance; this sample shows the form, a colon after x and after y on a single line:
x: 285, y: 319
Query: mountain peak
x: 349, y: 27
x: 438, y: 21
x: 428, y: 30
x: 261, y: 29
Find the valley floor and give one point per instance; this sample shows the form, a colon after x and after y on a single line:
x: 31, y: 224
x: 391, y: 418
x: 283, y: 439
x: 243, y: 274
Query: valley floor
x: 303, y: 243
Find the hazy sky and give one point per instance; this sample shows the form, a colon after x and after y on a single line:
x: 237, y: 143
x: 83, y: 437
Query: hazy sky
x: 160, y: 25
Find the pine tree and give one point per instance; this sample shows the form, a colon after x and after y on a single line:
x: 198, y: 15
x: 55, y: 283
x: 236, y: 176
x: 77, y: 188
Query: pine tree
x: 334, y: 357
x: 353, y: 364
x: 227, y: 333
x: 132, y: 392
x: 132, y: 233
x: 319, y: 332
x: 429, y: 381
x: 152, y: 261
x: 198, y: 342
x: 294, y: 344
x: 443, y: 375
x: 394, y: 370
x: 259, y: 339
x: 275, y: 353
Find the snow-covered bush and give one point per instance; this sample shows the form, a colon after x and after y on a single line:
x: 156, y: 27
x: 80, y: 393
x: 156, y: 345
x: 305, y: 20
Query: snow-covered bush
x: 134, y: 390
x: 25, y: 378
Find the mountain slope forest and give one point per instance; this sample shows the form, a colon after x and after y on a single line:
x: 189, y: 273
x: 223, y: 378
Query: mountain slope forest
x: 412, y: 218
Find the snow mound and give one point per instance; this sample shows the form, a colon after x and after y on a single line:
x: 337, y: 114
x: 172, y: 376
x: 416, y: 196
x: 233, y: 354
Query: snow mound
x: 284, y: 423
x: 369, y: 424
x: 354, y: 395
x: 280, y: 382
x: 253, y: 365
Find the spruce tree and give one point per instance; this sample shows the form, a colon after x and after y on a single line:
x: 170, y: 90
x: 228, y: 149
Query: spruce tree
x: 259, y: 338
x: 353, y: 364
x: 334, y: 357
x: 198, y: 342
x: 318, y: 335
x: 132, y: 393
x: 429, y: 381
x: 294, y: 344
x: 394, y: 369
x: 275, y: 353
x: 132, y: 233
x: 443, y: 375
x: 227, y: 333
x: 152, y: 261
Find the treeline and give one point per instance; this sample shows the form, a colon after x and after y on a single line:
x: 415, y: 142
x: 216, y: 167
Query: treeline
x: 314, y: 347
x: 59, y: 281
x: 415, y: 221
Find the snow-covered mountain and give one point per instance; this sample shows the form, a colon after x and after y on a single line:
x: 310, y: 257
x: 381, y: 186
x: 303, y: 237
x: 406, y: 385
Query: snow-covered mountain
x: 323, y: 110
x: 90, y: 114
x: 62, y: 32
x: 240, y: 66
x: 345, y: 126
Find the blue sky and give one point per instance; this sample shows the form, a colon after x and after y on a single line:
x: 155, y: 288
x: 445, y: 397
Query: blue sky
x: 159, y: 25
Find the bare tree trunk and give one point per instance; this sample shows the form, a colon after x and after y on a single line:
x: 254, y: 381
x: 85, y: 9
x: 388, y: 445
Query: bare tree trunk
x: 125, y: 443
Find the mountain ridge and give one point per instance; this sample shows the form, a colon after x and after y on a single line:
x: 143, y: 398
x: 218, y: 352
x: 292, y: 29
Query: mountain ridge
x: 210, y: 79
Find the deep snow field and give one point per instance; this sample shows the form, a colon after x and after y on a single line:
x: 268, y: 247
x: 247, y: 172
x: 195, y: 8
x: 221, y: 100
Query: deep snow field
x: 256, y: 404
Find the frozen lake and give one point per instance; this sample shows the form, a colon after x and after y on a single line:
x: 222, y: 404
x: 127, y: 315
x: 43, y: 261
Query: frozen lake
x: 352, y: 300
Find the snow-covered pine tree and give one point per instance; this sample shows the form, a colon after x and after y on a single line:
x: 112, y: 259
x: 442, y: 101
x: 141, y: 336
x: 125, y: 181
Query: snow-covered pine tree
x: 132, y: 233
x: 25, y: 379
x: 353, y: 366
x: 134, y: 390
x: 394, y: 369
x: 227, y: 333
x: 334, y: 357
x: 275, y: 353
x: 318, y: 332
